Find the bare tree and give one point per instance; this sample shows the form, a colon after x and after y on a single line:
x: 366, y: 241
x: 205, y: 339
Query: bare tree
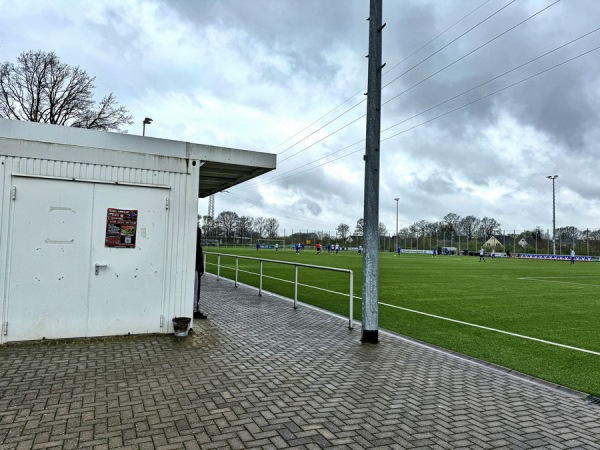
x: 342, y: 230
x: 453, y: 221
x: 271, y: 227
x: 489, y: 225
x: 382, y: 229
x: 228, y: 221
x: 39, y: 88
x: 259, y: 226
x: 468, y: 225
x: 360, y: 225
x: 244, y: 227
x: 594, y: 235
x: 208, y: 226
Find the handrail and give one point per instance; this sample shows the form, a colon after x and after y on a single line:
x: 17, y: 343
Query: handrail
x: 297, y: 266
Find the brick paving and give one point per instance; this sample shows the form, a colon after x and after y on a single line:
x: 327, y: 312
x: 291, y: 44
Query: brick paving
x: 259, y: 374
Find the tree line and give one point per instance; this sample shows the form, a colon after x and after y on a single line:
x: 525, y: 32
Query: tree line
x: 466, y: 232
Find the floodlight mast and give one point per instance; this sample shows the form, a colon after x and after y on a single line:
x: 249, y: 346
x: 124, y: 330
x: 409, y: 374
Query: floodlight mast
x: 397, y: 198
x: 553, y: 177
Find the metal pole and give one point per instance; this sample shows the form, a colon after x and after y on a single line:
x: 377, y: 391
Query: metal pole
x: 370, y: 331
x: 553, y: 177
x: 260, y: 279
x: 351, y: 312
x: 296, y: 288
x: 148, y: 121
x: 397, y: 198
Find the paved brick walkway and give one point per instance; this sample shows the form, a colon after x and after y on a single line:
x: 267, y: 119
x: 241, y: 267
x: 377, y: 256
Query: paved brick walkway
x: 258, y: 374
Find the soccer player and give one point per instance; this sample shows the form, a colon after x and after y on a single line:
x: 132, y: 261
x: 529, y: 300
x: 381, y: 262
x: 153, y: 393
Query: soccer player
x: 481, y: 255
x: 572, y: 256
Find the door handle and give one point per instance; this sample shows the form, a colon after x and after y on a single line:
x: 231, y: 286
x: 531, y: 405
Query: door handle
x: 97, y: 266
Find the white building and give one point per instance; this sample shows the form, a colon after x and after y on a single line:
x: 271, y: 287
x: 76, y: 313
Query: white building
x: 98, y: 230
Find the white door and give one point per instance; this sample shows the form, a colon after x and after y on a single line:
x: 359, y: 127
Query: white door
x: 49, y: 259
x: 126, y: 296
x: 57, y: 237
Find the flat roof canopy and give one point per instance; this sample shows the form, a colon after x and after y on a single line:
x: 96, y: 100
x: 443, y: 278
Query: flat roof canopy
x: 221, y: 167
x: 216, y: 176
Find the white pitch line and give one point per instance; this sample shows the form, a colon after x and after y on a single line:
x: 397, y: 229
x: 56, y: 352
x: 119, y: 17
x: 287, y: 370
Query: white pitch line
x: 548, y: 280
x: 494, y: 329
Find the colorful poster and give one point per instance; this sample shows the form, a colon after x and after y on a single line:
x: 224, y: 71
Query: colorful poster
x: 121, y: 226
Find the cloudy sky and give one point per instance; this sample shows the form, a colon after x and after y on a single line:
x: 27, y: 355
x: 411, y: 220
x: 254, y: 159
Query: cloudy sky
x: 482, y: 100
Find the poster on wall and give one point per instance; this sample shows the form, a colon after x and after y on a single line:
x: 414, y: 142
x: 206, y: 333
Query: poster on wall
x: 121, y: 226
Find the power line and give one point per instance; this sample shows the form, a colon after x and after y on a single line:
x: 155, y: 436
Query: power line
x: 471, y: 52
x: 435, y: 38
x: 492, y: 93
x: 298, y: 172
x: 427, y: 78
x: 452, y: 41
x: 358, y: 92
x: 282, y: 175
x: 416, y: 65
x: 493, y: 79
x: 323, y: 116
x: 323, y: 138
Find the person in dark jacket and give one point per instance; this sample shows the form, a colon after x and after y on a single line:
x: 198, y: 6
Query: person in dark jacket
x: 199, y: 273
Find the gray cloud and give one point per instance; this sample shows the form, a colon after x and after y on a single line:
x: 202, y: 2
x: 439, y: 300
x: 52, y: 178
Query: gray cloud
x: 253, y: 74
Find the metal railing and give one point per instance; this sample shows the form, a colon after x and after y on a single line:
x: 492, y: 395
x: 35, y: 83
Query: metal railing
x: 297, y: 266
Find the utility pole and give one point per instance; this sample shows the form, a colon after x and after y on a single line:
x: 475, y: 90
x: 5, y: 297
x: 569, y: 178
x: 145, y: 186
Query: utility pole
x: 370, y: 327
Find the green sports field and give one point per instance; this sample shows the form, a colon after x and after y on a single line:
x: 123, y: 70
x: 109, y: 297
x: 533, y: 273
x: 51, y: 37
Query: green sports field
x: 541, y: 318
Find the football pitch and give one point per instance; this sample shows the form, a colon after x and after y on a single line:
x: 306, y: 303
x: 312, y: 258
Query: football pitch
x: 540, y: 318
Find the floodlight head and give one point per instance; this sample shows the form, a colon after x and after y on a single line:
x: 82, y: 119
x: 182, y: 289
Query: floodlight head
x: 147, y: 121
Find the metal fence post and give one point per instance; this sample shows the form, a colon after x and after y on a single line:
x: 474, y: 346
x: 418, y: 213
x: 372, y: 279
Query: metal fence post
x: 236, y: 269
x: 260, y: 279
x: 351, y: 315
x: 296, y: 290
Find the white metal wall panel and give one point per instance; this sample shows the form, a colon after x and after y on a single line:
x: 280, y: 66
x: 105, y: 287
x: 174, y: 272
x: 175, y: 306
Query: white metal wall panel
x: 182, y: 247
x: 62, y: 169
x: 3, y: 253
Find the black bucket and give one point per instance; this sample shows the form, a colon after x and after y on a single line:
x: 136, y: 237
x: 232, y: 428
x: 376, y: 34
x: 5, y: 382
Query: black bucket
x: 181, y: 325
